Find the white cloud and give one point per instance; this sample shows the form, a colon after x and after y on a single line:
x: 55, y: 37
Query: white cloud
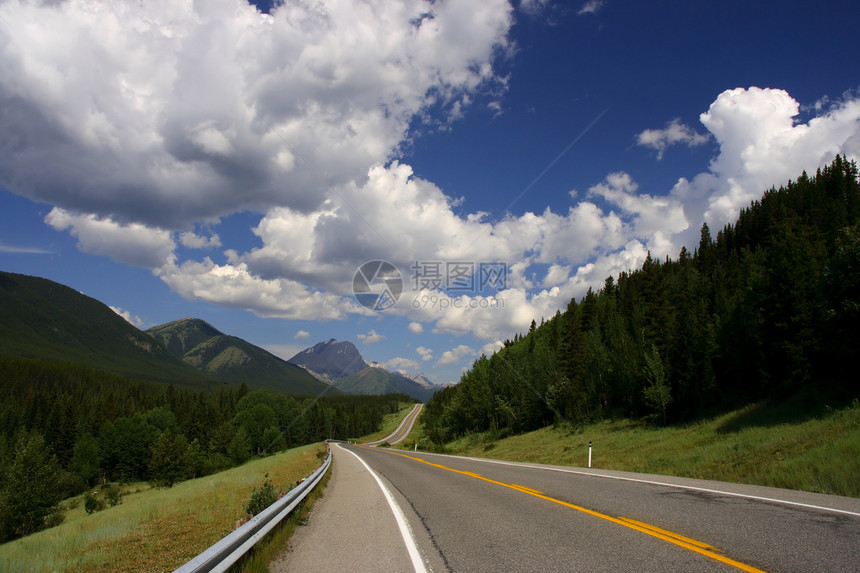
x: 425, y: 353
x: 233, y: 286
x: 592, y: 7
x: 142, y: 122
x: 674, y: 133
x: 16, y: 250
x: 402, y: 364
x: 455, y: 355
x: 195, y: 241
x: 167, y: 113
x: 131, y: 243
x: 133, y: 320
x: 302, y: 335
x: 761, y: 145
x: 371, y: 337
x: 416, y: 327
x: 491, y: 348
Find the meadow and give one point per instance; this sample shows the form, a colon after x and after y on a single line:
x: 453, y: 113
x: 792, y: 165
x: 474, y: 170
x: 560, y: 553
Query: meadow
x: 155, y: 529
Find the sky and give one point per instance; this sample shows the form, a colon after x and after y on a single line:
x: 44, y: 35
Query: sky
x: 463, y: 167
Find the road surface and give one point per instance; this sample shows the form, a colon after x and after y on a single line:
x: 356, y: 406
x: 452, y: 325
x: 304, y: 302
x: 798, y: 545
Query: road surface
x: 403, y: 428
x: 464, y: 514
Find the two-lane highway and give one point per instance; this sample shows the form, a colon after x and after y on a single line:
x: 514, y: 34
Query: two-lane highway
x: 483, y: 515
x: 403, y: 429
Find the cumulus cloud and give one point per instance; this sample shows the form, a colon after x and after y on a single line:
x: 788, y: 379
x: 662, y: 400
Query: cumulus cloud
x: 233, y: 286
x: 763, y: 145
x: 416, y: 327
x: 195, y: 241
x: 455, y: 355
x: 166, y: 113
x: 371, y: 337
x: 133, y: 320
x: 302, y: 335
x: 131, y: 243
x: 425, y: 353
x: 144, y: 123
x: 674, y: 133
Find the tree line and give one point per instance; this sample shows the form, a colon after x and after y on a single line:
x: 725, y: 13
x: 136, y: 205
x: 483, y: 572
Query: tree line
x: 766, y: 310
x: 75, y: 426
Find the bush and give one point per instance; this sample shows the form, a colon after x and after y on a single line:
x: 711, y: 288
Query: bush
x: 113, y: 495
x: 56, y: 517
x: 92, y: 503
x: 261, y: 497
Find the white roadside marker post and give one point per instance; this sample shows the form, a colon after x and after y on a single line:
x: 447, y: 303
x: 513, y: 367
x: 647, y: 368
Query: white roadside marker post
x: 589, y: 454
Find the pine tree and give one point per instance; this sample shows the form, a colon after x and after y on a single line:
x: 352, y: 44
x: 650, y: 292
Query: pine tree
x: 29, y: 493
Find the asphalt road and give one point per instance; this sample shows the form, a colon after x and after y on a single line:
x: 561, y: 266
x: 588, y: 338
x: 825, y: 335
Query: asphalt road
x: 403, y: 429
x: 482, y: 515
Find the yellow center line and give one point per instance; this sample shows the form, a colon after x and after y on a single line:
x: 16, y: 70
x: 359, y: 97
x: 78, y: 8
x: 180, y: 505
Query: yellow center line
x: 674, y: 538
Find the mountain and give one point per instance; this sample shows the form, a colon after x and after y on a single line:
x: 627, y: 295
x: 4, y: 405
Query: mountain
x: 44, y: 320
x: 419, y: 378
x: 228, y: 358
x: 331, y: 359
x: 342, y: 364
x: 376, y: 380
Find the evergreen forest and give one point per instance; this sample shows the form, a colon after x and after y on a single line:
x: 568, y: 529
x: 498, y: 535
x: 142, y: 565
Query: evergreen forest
x: 66, y: 427
x: 766, y: 310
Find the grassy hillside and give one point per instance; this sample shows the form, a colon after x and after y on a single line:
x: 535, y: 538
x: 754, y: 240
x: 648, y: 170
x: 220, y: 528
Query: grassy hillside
x: 154, y: 529
x: 772, y: 445
x: 44, y: 320
x: 232, y: 359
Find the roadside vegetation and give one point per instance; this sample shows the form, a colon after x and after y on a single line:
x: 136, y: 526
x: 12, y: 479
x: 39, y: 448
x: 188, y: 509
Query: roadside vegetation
x: 389, y: 423
x: 155, y: 529
x: 779, y: 445
x: 65, y: 429
x: 766, y: 312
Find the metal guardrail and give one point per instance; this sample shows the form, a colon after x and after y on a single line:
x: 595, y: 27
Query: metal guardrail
x: 236, y: 544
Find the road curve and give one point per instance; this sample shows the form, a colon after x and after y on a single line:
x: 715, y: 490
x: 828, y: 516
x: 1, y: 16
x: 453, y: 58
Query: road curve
x: 403, y: 428
x: 467, y: 514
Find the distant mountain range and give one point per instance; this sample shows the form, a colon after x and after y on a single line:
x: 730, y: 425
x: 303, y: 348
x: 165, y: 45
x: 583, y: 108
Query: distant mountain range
x: 44, y: 320
x: 199, y: 344
x: 341, y: 364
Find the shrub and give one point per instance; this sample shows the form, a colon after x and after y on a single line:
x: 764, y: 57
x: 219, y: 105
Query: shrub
x: 261, y: 497
x: 113, y: 495
x: 92, y: 503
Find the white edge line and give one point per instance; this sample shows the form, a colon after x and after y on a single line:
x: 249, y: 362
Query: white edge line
x: 417, y: 408
x: 651, y: 482
x: 405, y: 531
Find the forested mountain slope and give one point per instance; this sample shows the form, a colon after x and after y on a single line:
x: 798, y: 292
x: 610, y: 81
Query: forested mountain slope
x: 45, y: 320
x: 232, y: 359
x: 766, y: 310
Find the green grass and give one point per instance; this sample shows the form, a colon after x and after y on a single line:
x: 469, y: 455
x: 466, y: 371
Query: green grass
x: 389, y: 424
x: 760, y: 444
x: 155, y: 529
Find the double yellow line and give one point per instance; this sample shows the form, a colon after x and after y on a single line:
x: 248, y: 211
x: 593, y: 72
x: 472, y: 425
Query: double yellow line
x: 674, y: 538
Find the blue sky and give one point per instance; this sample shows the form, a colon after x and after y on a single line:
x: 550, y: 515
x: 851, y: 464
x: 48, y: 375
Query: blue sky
x: 239, y: 166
